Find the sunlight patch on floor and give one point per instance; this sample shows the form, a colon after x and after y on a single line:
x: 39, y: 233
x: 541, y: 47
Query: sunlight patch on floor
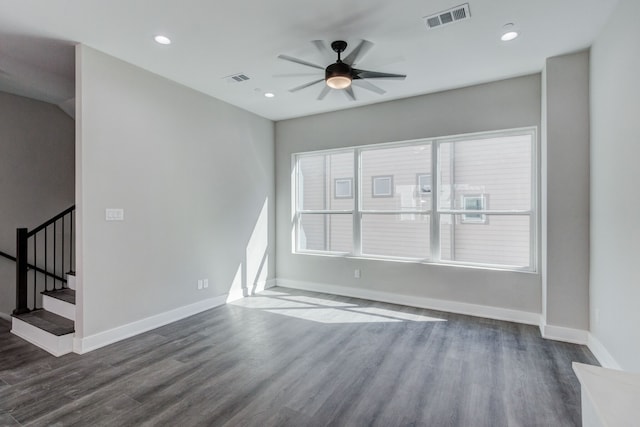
x: 328, y: 311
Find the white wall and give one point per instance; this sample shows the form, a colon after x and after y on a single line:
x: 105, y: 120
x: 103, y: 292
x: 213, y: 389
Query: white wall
x: 615, y: 200
x: 36, y: 174
x: 195, y: 177
x: 500, y: 105
x: 565, y: 136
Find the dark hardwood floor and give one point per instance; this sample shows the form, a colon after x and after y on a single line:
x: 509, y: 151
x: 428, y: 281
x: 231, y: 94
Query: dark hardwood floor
x: 293, y: 358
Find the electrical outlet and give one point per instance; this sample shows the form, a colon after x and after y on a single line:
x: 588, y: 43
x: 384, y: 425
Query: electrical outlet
x: 206, y: 283
x: 199, y: 284
x: 356, y: 273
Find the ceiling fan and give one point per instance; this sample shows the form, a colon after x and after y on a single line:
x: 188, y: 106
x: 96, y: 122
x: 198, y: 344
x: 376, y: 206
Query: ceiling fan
x: 341, y: 74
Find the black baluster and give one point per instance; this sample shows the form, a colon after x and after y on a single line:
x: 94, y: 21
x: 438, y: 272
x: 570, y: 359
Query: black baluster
x: 55, y: 234
x: 62, y: 254
x: 46, y: 252
x: 71, y: 243
x: 35, y: 272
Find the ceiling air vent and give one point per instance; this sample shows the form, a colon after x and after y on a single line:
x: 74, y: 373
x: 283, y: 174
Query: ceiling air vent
x: 236, y: 78
x: 445, y: 17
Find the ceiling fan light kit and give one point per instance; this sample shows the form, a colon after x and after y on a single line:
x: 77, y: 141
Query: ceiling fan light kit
x: 341, y: 74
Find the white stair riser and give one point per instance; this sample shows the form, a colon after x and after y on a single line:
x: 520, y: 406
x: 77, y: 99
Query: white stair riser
x: 56, y: 345
x: 71, y: 282
x: 59, y: 307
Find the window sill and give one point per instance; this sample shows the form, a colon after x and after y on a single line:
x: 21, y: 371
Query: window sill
x: 418, y: 261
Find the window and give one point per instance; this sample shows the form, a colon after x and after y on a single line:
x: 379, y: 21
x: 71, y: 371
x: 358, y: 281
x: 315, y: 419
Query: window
x: 324, y: 218
x: 474, y: 203
x: 382, y: 186
x: 343, y: 188
x: 394, y: 222
x: 424, y: 183
x: 425, y: 200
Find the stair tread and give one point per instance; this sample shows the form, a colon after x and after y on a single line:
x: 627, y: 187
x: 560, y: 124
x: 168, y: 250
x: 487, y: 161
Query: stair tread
x: 64, y: 294
x: 48, y: 321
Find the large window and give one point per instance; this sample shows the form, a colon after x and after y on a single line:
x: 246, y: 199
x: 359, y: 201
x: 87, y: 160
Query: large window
x: 456, y: 200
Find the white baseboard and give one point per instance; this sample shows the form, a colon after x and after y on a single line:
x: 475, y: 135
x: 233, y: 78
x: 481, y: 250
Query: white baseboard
x: 56, y: 345
x: 560, y: 333
x: 237, y: 294
x: 5, y: 316
x: 601, y: 353
x: 101, y: 339
x: 497, y: 313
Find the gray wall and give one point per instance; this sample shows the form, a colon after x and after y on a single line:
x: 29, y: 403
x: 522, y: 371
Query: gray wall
x: 36, y: 174
x: 565, y: 135
x: 505, y: 104
x: 615, y: 200
x: 195, y: 177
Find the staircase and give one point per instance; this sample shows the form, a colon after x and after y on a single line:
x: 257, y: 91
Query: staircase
x: 45, y: 284
x: 51, y: 327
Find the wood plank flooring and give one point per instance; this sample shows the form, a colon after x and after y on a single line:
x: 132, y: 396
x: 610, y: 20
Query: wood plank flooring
x: 293, y: 358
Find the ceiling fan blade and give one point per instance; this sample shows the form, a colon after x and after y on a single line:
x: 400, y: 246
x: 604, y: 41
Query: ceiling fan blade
x: 358, y: 52
x: 321, y: 46
x: 369, y: 86
x: 364, y: 74
x: 300, y: 61
x: 295, y: 89
x: 324, y: 92
x: 288, y: 75
x: 350, y: 94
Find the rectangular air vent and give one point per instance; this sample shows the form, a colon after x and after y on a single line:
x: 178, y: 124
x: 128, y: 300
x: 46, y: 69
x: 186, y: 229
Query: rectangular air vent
x: 236, y: 78
x: 445, y: 17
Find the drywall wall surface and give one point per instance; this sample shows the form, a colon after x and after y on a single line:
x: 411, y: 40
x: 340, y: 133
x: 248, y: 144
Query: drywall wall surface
x: 566, y: 281
x: 195, y: 179
x: 615, y: 200
x: 36, y: 174
x: 506, y: 104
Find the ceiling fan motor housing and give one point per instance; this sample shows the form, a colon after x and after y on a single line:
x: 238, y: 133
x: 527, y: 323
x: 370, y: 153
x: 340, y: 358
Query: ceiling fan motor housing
x: 337, y: 69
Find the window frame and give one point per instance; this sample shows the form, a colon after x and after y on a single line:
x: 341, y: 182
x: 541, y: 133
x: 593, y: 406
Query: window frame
x: 435, y: 211
x: 419, y: 185
x: 377, y: 178
x: 335, y: 188
x: 477, y: 218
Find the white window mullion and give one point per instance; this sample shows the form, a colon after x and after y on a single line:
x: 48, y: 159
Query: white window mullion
x: 357, y: 215
x: 435, y: 215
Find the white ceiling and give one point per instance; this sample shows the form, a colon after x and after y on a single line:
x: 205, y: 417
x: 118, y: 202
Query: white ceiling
x: 213, y: 39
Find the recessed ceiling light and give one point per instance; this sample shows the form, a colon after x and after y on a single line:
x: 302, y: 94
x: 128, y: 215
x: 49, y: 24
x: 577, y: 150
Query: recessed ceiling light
x: 162, y: 39
x: 269, y: 94
x: 509, y: 33
x: 508, y: 36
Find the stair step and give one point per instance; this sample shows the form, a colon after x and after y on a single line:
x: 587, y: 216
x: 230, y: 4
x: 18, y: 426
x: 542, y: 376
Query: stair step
x: 48, y: 322
x: 64, y: 294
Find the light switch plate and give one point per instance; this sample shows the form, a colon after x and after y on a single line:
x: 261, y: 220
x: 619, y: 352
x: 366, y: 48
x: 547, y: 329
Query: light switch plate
x: 206, y: 283
x: 114, y: 214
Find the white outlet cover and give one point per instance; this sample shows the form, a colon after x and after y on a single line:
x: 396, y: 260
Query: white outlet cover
x: 112, y: 214
x: 206, y: 283
x: 199, y: 284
